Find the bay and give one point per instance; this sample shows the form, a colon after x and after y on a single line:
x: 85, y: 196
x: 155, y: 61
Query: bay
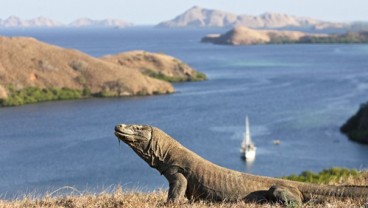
x: 299, y: 94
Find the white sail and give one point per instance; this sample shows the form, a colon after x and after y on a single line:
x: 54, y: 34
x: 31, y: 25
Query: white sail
x: 247, y: 139
x: 248, y: 150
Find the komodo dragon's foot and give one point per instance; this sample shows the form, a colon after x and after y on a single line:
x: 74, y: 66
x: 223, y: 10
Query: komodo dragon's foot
x: 276, y: 194
x: 285, y: 195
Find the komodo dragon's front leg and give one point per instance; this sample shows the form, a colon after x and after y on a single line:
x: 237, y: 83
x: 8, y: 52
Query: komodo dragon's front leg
x: 177, y: 185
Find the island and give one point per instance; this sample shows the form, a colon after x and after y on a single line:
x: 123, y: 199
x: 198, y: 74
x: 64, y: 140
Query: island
x: 356, y: 127
x: 246, y: 36
x: 32, y: 71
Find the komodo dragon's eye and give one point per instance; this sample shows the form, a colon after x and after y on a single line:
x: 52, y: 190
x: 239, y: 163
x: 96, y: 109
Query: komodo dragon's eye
x: 137, y: 128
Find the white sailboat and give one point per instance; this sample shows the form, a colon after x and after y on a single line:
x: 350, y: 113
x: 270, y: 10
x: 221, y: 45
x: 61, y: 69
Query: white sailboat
x: 248, y: 150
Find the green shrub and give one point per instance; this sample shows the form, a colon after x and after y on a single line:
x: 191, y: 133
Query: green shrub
x: 325, y: 176
x: 34, y: 95
x: 198, y: 76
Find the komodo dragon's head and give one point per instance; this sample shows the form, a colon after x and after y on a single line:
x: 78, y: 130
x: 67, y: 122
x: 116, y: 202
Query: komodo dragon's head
x: 138, y: 137
x: 150, y: 143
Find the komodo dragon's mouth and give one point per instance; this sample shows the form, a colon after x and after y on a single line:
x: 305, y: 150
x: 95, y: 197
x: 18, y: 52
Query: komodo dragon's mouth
x: 121, y: 131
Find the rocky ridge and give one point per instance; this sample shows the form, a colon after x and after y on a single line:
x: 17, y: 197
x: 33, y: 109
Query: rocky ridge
x: 201, y: 17
x: 14, y: 21
x: 87, y: 22
x: 43, y: 22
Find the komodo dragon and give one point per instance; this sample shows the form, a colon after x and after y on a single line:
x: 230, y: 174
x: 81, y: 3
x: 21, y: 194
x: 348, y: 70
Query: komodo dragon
x: 198, y: 179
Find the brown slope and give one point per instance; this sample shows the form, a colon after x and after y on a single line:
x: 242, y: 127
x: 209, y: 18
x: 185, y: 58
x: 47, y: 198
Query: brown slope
x: 27, y: 62
x: 156, y: 65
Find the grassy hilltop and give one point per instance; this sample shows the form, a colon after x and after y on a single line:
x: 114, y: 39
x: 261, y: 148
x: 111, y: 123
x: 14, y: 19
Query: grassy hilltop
x: 121, y: 198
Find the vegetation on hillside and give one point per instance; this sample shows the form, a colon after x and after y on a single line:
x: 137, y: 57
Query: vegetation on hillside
x: 247, y: 36
x: 31, y: 95
x: 34, y: 95
x: 350, y: 37
x: 120, y: 198
x: 329, y: 176
x: 198, y: 76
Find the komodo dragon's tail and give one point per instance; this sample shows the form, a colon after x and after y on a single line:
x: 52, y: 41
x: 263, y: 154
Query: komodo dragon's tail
x: 344, y: 191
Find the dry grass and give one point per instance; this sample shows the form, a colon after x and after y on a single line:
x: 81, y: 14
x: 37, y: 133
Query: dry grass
x: 120, y: 198
x: 136, y: 199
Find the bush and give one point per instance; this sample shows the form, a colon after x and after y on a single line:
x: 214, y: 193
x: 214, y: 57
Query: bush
x: 198, y: 76
x: 35, y: 95
x: 332, y: 175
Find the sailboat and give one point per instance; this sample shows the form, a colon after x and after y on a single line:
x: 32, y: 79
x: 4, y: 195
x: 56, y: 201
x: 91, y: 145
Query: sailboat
x: 248, y: 150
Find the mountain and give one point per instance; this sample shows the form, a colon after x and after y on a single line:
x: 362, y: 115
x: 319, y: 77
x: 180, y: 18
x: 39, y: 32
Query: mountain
x: 200, y: 17
x: 86, y: 22
x: 27, y: 62
x: 14, y: 21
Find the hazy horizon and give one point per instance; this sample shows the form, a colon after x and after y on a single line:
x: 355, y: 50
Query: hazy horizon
x: 143, y: 12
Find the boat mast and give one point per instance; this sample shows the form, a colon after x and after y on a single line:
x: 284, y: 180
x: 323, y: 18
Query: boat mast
x: 247, y: 131
x: 246, y: 140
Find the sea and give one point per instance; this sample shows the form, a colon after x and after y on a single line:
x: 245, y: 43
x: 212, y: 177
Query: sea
x: 298, y: 94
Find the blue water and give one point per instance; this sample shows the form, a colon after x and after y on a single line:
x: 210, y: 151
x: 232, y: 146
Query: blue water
x: 299, y: 94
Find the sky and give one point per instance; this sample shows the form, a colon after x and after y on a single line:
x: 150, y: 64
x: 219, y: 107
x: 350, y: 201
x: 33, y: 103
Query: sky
x: 144, y: 12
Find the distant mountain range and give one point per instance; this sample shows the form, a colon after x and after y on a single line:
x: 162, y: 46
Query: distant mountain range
x: 197, y: 17
x: 14, y: 22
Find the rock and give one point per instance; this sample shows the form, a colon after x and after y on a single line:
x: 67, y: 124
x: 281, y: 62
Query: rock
x: 356, y: 127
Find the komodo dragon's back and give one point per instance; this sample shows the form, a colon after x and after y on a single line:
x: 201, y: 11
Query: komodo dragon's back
x: 191, y: 176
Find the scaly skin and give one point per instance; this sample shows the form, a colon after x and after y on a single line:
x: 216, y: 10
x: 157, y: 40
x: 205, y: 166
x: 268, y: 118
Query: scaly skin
x: 191, y: 176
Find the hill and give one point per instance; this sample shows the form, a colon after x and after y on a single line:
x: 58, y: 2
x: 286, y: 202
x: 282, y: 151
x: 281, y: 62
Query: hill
x: 44, y: 22
x: 157, y: 65
x: 28, y: 63
x: 87, y: 22
x: 200, y: 17
x: 13, y: 21
x: 356, y: 127
x: 245, y: 36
